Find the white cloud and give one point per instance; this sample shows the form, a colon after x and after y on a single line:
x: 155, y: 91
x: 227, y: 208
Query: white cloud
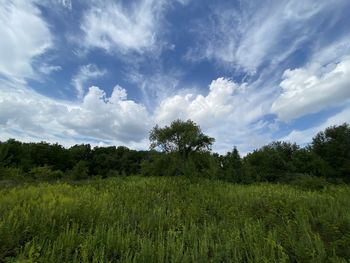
x: 109, y: 118
x: 224, y: 100
x: 48, y: 69
x: 156, y: 87
x: 98, y: 118
x: 308, y: 91
x: 24, y: 37
x: 67, y: 4
x: 113, y: 27
x: 229, y: 112
x: 329, y: 54
x: 258, y: 32
x: 86, y: 73
x: 120, y: 28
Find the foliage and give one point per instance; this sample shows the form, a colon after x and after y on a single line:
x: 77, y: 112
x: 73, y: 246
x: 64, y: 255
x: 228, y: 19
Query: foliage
x: 232, y: 167
x: 171, y: 219
x: 102, y: 161
x: 180, y: 137
x: 4, y: 157
x: 303, y: 217
x: 307, y: 161
x: 79, y: 171
x: 11, y: 173
x: 159, y: 164
x: 185, y: 151
x: 45, y: 173
x: 181, y: 142
x: 271, y: 161
x: 307, y: 182
x: 333, y: 146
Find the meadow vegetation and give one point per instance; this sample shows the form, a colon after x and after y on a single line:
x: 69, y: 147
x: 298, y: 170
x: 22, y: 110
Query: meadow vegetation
x: 173, y: 219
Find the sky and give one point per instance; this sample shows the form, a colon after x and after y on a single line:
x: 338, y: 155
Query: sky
x: 105, y: 72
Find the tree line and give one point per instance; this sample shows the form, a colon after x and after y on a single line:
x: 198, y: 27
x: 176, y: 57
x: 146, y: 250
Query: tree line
x: 182, y: 149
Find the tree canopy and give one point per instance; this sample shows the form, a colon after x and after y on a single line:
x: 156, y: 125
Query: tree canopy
x: 333, y: 146
x: 183, y: 137
x: 183, y: 149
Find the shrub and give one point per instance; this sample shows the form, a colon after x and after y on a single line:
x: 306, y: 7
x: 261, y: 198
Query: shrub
x: 307, y: 182
x: 45, y: 173
x: 80, y: 171
x: 10, y: 173
x: 113, y: 173
x: 162, y: 164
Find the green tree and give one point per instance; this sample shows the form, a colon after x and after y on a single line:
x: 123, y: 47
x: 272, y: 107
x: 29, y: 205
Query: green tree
x: 180, y: 140
x: 4, y: 158
x: 333, y: 146
x: 183, y: 137
x: 231, y: 166
x: 271, y: 162
x: 306, y: 161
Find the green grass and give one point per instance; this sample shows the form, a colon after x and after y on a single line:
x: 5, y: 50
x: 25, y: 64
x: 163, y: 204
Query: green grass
x: 142, y: 219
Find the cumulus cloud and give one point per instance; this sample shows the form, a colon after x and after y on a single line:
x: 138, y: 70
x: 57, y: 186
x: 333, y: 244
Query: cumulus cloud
x: 108, y: 117
x: 306, y: 91
x: 224, y: 100
x: 219, y: 102
x: 224, y: 113
x: 84, y: 74
x: 24, y: 36
x: 229, y: 112
x: 97, y: 118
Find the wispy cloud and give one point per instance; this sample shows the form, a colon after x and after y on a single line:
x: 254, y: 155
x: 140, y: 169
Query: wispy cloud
x: 122, y: 28
x: 254, y: 33
x: 115, y: 28
x: 67, y: 4
x: 47, y: 69
x: 155, y: 87
x: 86, y: 73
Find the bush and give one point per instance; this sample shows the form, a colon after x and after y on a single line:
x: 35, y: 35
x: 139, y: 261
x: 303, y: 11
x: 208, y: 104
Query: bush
x: 307, y: 182
x: 162, y: 164
x: 10, y: 173
x: 45, y: 173
x: 80, y: 171
x: 113, y: 173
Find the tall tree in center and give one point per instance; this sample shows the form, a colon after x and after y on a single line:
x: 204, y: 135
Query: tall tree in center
x: 183, y: 137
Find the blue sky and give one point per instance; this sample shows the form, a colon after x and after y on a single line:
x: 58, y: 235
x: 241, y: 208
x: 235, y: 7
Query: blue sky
x: 105, y: 72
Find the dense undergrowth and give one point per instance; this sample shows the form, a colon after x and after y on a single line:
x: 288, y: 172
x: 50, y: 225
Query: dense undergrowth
x: 173, y: 219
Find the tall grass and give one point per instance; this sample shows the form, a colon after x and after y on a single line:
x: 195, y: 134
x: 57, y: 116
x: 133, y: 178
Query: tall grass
x: 145, y: 219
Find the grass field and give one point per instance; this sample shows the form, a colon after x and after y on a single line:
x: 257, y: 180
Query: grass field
x: 148, y: 219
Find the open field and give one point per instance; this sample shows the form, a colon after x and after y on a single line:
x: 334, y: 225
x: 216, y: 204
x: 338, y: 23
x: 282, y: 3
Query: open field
x: 155, y: 219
